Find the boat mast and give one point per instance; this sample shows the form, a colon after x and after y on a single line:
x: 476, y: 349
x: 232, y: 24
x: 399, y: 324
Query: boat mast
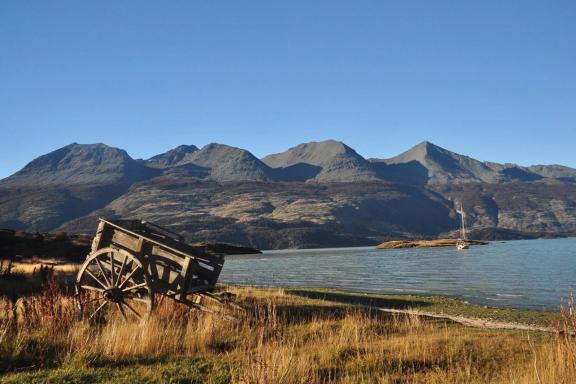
x: 463, y: 223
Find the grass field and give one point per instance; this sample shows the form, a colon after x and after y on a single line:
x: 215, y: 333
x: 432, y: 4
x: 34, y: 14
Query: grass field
x: 282, y: 336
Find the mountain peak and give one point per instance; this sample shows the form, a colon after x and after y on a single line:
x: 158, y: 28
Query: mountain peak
x: 171, y: 157
x: 221, y: 147
x: 439, y: 165
x: 215, y: 151
x: 227, y: 163
x: 426, y: 147
x: 314, y: 152
x: 80, y: 164
x: 334, y: 160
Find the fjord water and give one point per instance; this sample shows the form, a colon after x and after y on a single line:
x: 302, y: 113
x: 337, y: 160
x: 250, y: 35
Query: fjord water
x: 534, y: 274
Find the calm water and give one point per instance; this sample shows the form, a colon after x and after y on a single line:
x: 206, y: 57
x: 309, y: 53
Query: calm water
x: 535, y: 274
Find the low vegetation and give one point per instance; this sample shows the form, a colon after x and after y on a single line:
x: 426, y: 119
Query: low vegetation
x: 280, y: 337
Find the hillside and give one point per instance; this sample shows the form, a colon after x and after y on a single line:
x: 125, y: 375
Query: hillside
x: 427, y: 163
x: 80, y: 164
x: 64, y: 184
x: 281, y: 215
x: 172, y: 157
x: 326, y: 161
x: 313, y: 195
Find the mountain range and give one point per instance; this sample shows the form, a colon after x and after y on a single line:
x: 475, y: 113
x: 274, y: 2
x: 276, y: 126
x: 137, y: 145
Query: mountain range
x: 312, y: 195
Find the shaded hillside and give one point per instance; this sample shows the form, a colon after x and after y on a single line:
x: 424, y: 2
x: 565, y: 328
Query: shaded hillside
x: 46, y: 208
x: 272, y: 215
x: 525, y: 207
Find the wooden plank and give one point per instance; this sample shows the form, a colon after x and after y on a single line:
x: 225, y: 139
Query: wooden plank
x: 127, y: 241
x: 177, y: 251
x: 158, y: 251
x: 98, y: 236
x: 185, y: 274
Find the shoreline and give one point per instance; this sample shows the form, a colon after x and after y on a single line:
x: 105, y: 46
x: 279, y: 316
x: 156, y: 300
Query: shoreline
x: 455, y: 308
x: 435, y: 306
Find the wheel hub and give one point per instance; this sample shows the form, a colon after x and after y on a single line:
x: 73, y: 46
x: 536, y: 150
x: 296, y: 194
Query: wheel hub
x: 113, y: 294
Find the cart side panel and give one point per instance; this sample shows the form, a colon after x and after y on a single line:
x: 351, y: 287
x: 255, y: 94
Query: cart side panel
x: 128, y: 241
x: 188, y: 269
x: 108, y: 236
x: 205, y: 274
x: 167, y: 270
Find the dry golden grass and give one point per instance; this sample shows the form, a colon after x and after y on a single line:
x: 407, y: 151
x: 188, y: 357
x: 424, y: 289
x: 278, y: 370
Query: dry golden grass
x: 280, y: 338
x: 33, y: 266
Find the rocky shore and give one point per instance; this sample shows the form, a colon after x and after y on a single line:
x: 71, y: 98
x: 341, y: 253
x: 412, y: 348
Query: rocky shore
x: 395, y: 244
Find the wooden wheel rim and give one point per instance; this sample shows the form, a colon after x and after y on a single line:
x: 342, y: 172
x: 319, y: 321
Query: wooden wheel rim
x: 121, y: 286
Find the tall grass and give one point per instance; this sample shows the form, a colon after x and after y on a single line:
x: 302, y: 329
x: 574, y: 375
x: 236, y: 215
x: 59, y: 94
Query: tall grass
x: 281, y: 338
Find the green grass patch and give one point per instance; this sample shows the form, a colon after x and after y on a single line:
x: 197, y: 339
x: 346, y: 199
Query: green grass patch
x: 177, y: 370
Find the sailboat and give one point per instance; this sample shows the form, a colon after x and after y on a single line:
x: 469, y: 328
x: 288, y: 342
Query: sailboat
x: 462, y: 242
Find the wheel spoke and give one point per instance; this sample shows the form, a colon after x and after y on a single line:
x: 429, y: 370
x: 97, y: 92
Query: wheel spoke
x: 112, y: 278
x: 127, y: 289
x: 119, y: 280
x: 98, y: 309
x: 95, y: 278
x: 129, y: 276
x: 133, y: 311
x: 121, y: 310
x: 102, y: 270
x: 121, y: 270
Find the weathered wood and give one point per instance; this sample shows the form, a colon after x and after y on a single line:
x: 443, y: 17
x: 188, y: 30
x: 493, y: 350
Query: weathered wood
x: 164, y: 264
x: 129, y: 283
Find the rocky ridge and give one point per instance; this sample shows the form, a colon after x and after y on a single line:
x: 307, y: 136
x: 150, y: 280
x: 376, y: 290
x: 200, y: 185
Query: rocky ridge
x: 314, y: 194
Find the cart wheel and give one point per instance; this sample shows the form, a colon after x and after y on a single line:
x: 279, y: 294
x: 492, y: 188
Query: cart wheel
x: 113, y: 279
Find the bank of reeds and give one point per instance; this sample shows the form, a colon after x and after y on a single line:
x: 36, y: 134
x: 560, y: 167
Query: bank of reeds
x: 279, y: 338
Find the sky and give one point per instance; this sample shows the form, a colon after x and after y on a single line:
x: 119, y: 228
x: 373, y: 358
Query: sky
x: 495, y: 80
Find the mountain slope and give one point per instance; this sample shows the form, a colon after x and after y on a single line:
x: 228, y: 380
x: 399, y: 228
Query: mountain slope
x: 280, y: 215
x: 521, y: 206
x: 559, y: 172
x: 67, y: 183
x: 441, y: 165
x: 80, y: 164
x: 427, y: 163
x: 322, y: 161
x: 226, y: 163
x: 172, y: 157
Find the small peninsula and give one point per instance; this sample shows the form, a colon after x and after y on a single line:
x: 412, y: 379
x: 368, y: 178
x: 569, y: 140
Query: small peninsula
x: 395, y: 244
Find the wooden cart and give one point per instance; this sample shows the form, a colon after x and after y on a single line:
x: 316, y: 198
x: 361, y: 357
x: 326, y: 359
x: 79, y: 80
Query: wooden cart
x: 131, y: 261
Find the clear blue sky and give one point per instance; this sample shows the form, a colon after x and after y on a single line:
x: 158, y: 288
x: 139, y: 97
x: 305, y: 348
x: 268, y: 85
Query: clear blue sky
x: 495, y: 80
